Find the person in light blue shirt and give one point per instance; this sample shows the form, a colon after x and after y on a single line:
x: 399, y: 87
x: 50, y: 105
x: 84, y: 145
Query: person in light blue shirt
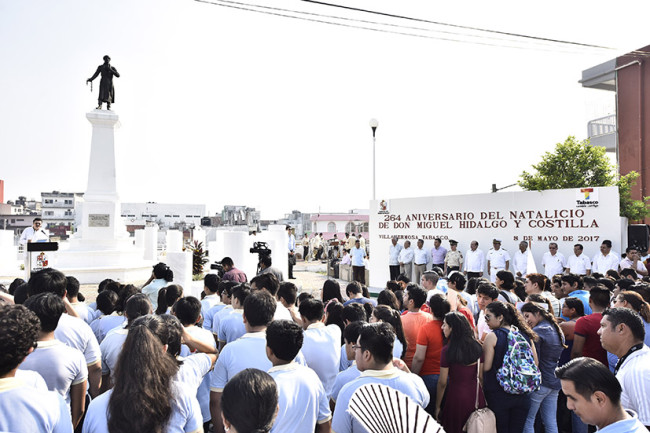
x: 374, y: 357
x: 351, y: 335
x: 357, y: 255
x: 594, y: 394
x: 572, y: 286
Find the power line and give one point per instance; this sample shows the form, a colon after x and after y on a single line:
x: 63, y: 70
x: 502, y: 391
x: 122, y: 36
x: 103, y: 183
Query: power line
x: 250, y: 8
x: 379, y: 23
x: 454, y: 25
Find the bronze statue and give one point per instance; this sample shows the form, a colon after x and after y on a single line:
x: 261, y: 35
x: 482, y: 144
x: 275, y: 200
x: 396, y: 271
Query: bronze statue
x: 106, y: 89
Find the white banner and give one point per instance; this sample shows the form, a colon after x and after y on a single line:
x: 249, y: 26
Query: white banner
x: 567, y: 217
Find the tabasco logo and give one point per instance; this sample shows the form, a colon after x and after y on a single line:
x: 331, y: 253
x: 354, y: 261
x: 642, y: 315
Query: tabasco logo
x: 587, y: 197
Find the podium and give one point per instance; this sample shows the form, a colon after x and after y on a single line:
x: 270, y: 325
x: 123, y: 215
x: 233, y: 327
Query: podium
x: 39, y: 256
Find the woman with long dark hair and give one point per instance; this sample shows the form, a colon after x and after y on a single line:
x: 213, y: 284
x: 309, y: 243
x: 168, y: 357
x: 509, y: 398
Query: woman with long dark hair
x: 510, y: 410
x: 387, y: 297
x: 331, y: 290
x: 549, y: 346
x: 145, y: 397
x: 383, y: 313
x: 250, y: 402
x: 161, y: 276
x: 167, y: 297
x: 458, y: 364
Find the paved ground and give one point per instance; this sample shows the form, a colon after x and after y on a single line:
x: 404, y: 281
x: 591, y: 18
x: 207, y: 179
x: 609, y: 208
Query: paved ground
x: 310, y: 277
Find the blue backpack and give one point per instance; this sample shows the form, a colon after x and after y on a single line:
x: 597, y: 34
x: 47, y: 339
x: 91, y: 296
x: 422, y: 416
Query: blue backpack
x: 518, y: 374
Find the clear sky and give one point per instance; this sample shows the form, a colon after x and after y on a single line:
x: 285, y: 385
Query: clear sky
x: 223, y: 106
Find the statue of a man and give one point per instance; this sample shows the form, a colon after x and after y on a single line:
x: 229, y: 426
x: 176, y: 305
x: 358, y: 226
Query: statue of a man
x: 106, y: 89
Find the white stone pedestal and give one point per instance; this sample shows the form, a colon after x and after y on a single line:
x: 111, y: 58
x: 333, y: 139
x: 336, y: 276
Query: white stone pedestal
x: 102, y: 248
x: 181, y: 264
x: 9, y: 263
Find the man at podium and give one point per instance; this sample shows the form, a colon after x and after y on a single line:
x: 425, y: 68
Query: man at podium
x: 35, y: 233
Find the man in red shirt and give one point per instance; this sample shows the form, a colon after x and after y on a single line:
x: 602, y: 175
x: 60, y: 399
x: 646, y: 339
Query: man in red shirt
x: 586, y: 341
x: 412, y: 321
x: 426, y: 361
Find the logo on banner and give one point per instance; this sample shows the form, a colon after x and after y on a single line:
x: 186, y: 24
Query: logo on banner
x: 383, y: 207
x: 587, y: 197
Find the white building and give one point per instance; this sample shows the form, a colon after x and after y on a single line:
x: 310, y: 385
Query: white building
x: 355, y: 221
x: 166, y: 215
x: 58, y: 211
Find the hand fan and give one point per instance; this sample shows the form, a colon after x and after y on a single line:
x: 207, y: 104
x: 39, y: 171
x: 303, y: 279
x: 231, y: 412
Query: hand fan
x: 381, y: 409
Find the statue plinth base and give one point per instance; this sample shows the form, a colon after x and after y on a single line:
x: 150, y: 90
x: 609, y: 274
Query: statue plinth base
x: 101, y: 248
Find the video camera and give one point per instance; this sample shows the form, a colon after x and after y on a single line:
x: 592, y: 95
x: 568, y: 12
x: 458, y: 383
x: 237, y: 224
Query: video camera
x: 260, y: 248
x: 219, y: 268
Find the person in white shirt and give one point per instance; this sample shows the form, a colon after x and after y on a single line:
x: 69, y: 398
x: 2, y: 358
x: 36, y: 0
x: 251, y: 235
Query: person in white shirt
x: 188, y: 312
x: 303, y: 403
x: 632, y: 261
x: 35, y: 233
x: 578, y: 263
x: 71, y: 330
x: 161, y: 276
x: 23, y: 407
x: 405, y: 259
x: 141, y: 395
x: 322, y: 344
x: 211, y: 290
x: 250, y: 402
x: 72, y: 293
x: 63, y: 368
x: 137, y: 305
x: 474, y: 261
x: 594, y: 394
x: 421, y: 258
x: 606, y: 259
x: 358, y: 265
x: 374, y: 357
x: 247, y: 352
x: 271, y: 284
x: 520, y: 260
x: 393, y: 258
x: 345, y: 260
x: 622, y: 333
x: 498, y: 259
x: 553, y: 261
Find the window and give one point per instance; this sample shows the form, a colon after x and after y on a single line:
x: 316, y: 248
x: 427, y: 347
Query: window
x: 176, y: 216
x: 68, y: 213
x: 168, y: 216
x: 49, y: 213
x: 364, y: 228
x: 48, y: 201
x: 350, y: 227
x: 188, y: 216
x: 68, y: 202
x: 331, y: 227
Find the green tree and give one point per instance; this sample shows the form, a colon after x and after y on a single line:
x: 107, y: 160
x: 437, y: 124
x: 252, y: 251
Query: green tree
x: 576, y: 164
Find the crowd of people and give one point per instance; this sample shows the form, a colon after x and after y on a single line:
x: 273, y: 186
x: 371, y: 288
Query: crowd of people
x: 560, y: 354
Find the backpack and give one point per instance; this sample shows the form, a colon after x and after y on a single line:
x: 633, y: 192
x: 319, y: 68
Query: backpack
x: 518, y: 374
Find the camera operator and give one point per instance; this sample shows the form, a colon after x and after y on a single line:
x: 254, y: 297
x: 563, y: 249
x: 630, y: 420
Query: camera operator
x: 266, y: 268
x: 231, y: 272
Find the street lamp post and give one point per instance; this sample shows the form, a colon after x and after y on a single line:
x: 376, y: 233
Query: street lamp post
x: 373, y: 125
